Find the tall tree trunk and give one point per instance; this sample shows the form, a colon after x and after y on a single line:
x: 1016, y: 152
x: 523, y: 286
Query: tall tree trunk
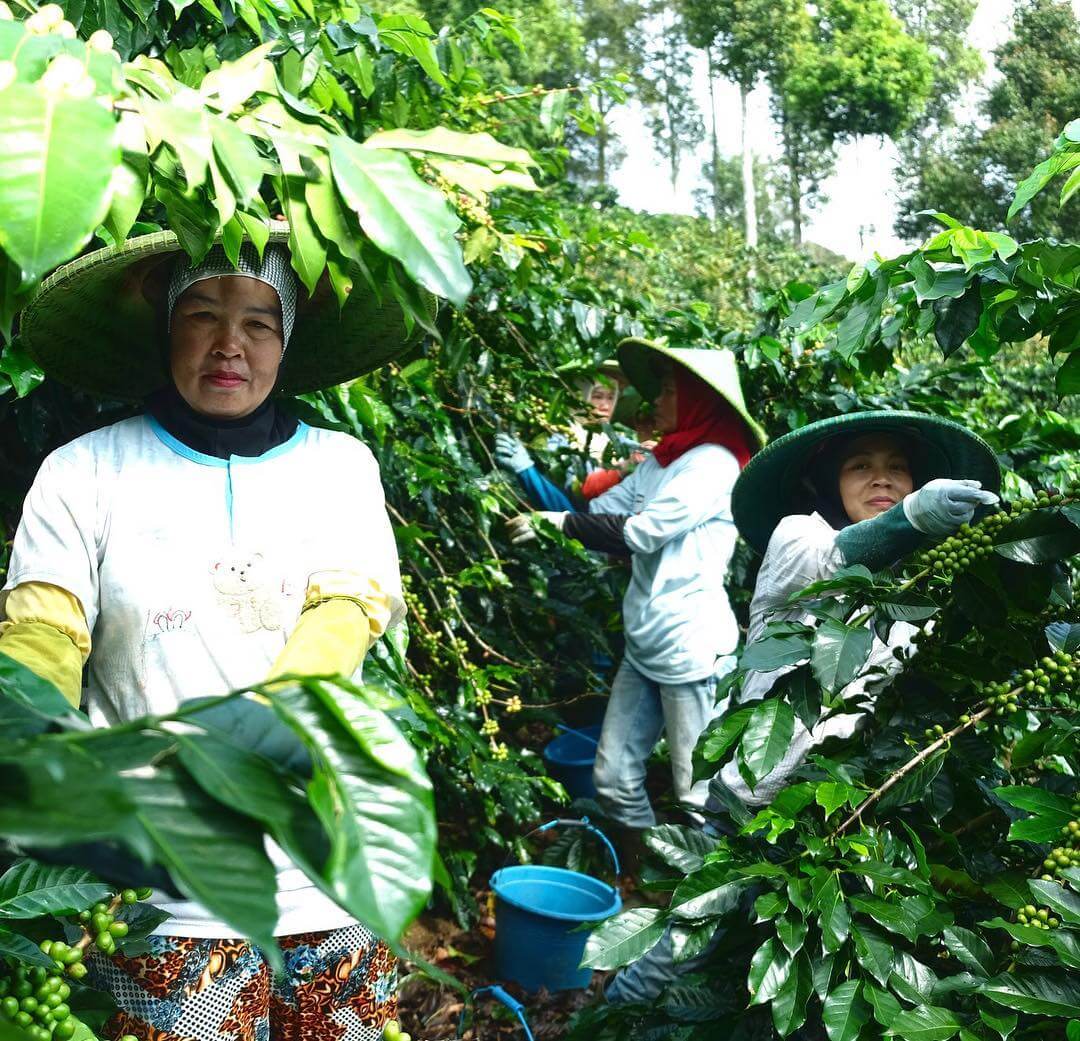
x: 601, y: 146
x: 715, y: 139
x: 749, y: 198
x: 794, y: 164
x: 673, y: 141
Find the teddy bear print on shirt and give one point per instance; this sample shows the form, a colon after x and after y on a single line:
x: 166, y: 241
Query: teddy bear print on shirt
x: 245, y: 591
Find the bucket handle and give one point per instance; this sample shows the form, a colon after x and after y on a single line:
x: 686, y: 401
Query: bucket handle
x: 511, y: 1003
x: 588, y: 826
x: 578, y: 733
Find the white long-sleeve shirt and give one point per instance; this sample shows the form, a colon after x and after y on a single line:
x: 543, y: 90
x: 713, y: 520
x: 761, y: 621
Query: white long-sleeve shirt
x: 676, y: 615
x: 803, y: 550
x: 192, y: 570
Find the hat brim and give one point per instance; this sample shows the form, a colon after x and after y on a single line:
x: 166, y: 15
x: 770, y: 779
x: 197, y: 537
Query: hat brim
x: 641, y: 360
x: 770, y: 486
x: 94, y: 324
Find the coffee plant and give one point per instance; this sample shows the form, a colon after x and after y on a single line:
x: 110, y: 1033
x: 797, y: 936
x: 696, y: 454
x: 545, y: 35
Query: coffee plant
x: 920, y: 879
x: 886, y: 885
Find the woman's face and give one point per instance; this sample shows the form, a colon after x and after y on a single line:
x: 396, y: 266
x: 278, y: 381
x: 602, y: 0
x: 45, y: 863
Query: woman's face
x: 225, y: 345
x: 874, y: 476
x: 602, y: 402
x: 666, y: 405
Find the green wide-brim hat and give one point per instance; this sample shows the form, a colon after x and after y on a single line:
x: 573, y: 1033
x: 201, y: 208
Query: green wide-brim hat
x: 642, y: 361
x: 96, y: 324
x: 773, y: 484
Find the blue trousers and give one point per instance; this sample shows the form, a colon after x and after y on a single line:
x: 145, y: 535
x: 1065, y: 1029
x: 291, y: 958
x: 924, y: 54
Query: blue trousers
x: 638, y: 712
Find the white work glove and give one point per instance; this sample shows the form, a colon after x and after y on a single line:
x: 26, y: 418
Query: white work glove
x: 939, y: 507
x: 522, y: 527
x: 511, y: 454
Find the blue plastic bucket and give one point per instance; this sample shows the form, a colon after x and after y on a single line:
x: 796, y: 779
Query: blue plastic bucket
x: 538, y: 914
x: 570, y: 759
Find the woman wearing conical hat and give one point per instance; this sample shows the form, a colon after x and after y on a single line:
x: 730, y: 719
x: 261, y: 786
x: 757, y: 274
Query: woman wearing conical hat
x: 866, y: 488
x: 210, y: 543
x: 672, y: 517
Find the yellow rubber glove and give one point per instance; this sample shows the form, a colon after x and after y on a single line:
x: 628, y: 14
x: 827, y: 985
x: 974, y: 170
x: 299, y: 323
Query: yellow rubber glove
x: 45, y: 630
x: 330, y: 637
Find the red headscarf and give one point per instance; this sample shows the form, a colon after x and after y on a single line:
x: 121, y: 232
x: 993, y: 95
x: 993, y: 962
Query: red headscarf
x: 703, y: 417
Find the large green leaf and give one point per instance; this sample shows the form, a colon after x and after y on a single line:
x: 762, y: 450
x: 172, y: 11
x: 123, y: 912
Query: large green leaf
x: 1062, y: 900
x: 937, y: 282
x: 926, y: 1023
x: 709, y: 891
x: 681, y: 847
x: 1040, y: 177
x: 374, y: 800
x: 833, y: 917
x: 1038, y: 538
x: 1064, y: 942
x: 29, y: 889
x: 1064, y: 636
x: 769, y: 969
x: 409, y: 35
x: 997, y: 1019
x: 874, y: 951
x: 1050, y: 812
x: 482, y: 148
x: 17, y: 946
x: 624, y: 938
x: 25, y: 695
x: 1067, y: 377
x: 214, y: 856
x: 886, y: 1007
x: 913, y: 786
x: 186, y: 129
x: 767, y: 736
x: 845, y: 1012
x: 56, y: 167
x: 774, y: 652
x: 721, y: 734
x: 402, y: 215
x: 969, y: 949
x: 957, y: 319
x: 889, y: 915
x: 55, y: 795
x: 839, y: 653
x: 791, y: 930
x: 789, y: 1005
x: 1040, y: 993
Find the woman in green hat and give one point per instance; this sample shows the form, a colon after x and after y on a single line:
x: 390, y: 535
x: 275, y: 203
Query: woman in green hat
x: 210, y: 543
x: 866, y: 489
x: 672, y: 517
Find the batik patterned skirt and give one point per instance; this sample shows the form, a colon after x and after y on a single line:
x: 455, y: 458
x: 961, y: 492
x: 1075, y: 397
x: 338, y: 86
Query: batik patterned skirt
x: 337, y: 986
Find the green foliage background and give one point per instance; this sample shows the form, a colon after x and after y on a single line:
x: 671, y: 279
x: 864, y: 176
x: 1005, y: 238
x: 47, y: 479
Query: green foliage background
x: 960, y: 327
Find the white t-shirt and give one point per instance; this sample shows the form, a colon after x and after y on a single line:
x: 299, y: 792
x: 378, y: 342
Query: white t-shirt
x: 676, y: 615
x: 802, y: 550
x: 192, y: 570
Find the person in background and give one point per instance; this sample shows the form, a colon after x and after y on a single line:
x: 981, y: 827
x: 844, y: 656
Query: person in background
x: 601, y: 398
x: 672, y: 517
x: 205, y: 545
x: 865, y: 488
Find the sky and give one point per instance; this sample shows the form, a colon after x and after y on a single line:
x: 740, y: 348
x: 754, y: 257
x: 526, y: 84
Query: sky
x: 857, y: 219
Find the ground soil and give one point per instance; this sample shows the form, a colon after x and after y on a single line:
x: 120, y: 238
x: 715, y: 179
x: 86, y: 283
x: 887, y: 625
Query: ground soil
x: 430, y: 1011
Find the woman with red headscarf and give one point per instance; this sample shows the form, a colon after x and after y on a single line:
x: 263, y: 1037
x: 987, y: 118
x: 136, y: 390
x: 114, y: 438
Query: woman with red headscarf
x: 672, y: 517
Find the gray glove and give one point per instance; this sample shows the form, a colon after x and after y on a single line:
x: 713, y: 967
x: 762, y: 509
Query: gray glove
x: 511, y: 454
x: 939, y: 507
x: 522, y: 528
